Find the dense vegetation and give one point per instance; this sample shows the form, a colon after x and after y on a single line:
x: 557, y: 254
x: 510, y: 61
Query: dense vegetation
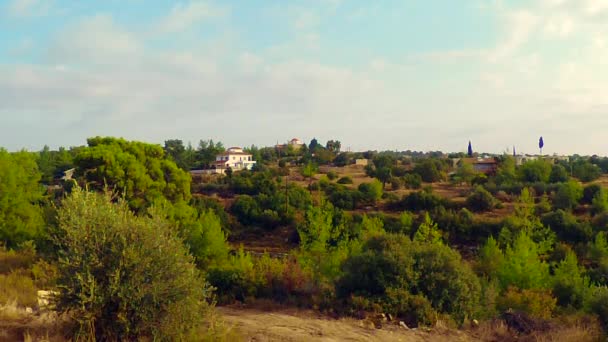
x: 136, y: 248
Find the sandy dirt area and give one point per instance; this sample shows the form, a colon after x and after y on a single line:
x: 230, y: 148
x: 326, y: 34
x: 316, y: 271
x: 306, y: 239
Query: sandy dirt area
x: 293, y: 325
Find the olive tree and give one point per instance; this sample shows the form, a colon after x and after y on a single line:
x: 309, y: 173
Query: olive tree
x: 122, y: 276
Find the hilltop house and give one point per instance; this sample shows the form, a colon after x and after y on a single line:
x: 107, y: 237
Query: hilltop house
x: 295, y: 143
x: 233, y: 158
x: 483, y: 165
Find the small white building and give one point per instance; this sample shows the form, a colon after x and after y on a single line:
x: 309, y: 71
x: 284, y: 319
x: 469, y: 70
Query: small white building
x: 235, y: 159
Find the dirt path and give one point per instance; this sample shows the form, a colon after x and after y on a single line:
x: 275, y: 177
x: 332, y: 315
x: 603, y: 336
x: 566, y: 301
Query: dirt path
x: 292, y: 325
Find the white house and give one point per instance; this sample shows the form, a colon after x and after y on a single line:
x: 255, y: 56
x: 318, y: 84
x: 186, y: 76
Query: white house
x: 235, y: 159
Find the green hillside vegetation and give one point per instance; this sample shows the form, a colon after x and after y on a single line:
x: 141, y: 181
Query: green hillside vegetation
x: 137, y: 248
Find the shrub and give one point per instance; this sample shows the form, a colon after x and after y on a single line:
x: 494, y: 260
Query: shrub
x: 124, y: 277
x: 568, y: 195
x: 589, y: 193
x: 535, y: 171
x: 586, y: 171
x: 535, y: 302
x: 371, y: 192
x: 331, y: 175
x: 395, y: 183
x: 522, y: 266
x: 481, y: 200
x: 558, y: 174
x: 345, y: 180
x: 431, y: 270
x: 566, y: 226
x: 414, y: 310
x: 430, y: 170
x: 412, y: 181
x: 344, y: 199
x: 570, y: 286
x: 599, y: 304
x: 599, y: 204
x: 422, y: 200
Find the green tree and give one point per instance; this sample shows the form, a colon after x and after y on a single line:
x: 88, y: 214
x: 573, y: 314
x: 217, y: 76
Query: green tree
x: 21, y: 216
x: 522, y: 266
x: 183, y: 156
x: 506, y: 173
x: 490, y: 259
x: 431, y: 170
x: 535, y: 171
x: 464, y: 173
x: 124, y: 277
x: 207, y: 151
x: 568, y: 195
x: 138, y: 170
x: 585, y: 171
x: 309, y: 171
x: 371, y: 192
x: 570, y: 286
x: 481, y: 200
x: 333, y: 146
x: 558, y: 174
x: 599, y: 203
x: 428, y: 231
x: 524, y: 220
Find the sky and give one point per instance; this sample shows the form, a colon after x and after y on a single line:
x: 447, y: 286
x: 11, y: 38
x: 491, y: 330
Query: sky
x: 385, y: 75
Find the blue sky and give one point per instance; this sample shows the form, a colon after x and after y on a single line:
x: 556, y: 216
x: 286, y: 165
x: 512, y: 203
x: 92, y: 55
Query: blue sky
x: 423, y: 75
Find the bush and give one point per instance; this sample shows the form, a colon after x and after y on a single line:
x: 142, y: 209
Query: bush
x: 481, y: 200
x: 412, y: 181
x: 566, y: 226
x: 422, y: 200
x: 395, y: 183
x: 535, y: 302
x: 430, y: 170
x: 568, y: 195
x: 123, y: 277
x: 589, y: 193
x: 535, y: 171
x: 586, y: 171
x: 414, y: 310
x: 332, y: 175
x: 599, y: 304
x: 431, y: 270
x: 371, y: 192
x: 345, y: 180
x: 558, y: 174
x: 570, y: 286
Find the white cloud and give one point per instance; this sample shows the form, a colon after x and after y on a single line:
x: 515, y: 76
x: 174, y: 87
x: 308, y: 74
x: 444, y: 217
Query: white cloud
x: 185, y: 15
x: 93, y: 40
x: 28, y: 8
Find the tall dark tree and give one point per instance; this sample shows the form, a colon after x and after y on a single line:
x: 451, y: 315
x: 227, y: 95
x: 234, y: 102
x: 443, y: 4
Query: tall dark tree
x: 313, y: 144
x: 541, y: 143
x: 333, y: 146
x: 470, y: 150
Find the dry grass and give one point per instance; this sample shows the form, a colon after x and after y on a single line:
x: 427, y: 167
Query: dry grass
x: 18, y: 287
x: 18, y: 324
x: 11, y: 260
x: 587, y: 330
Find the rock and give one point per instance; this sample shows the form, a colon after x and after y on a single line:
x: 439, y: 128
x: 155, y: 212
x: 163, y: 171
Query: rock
x: 29, y: 310
x: 475, y: 323
x: 403, y: 325
x: 45, y: 298
x: 383, y: 317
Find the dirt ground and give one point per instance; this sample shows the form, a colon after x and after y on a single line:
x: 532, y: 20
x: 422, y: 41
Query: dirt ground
x: 295, y: 326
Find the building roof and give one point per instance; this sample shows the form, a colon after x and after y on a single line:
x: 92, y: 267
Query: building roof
x: 228, y: 153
